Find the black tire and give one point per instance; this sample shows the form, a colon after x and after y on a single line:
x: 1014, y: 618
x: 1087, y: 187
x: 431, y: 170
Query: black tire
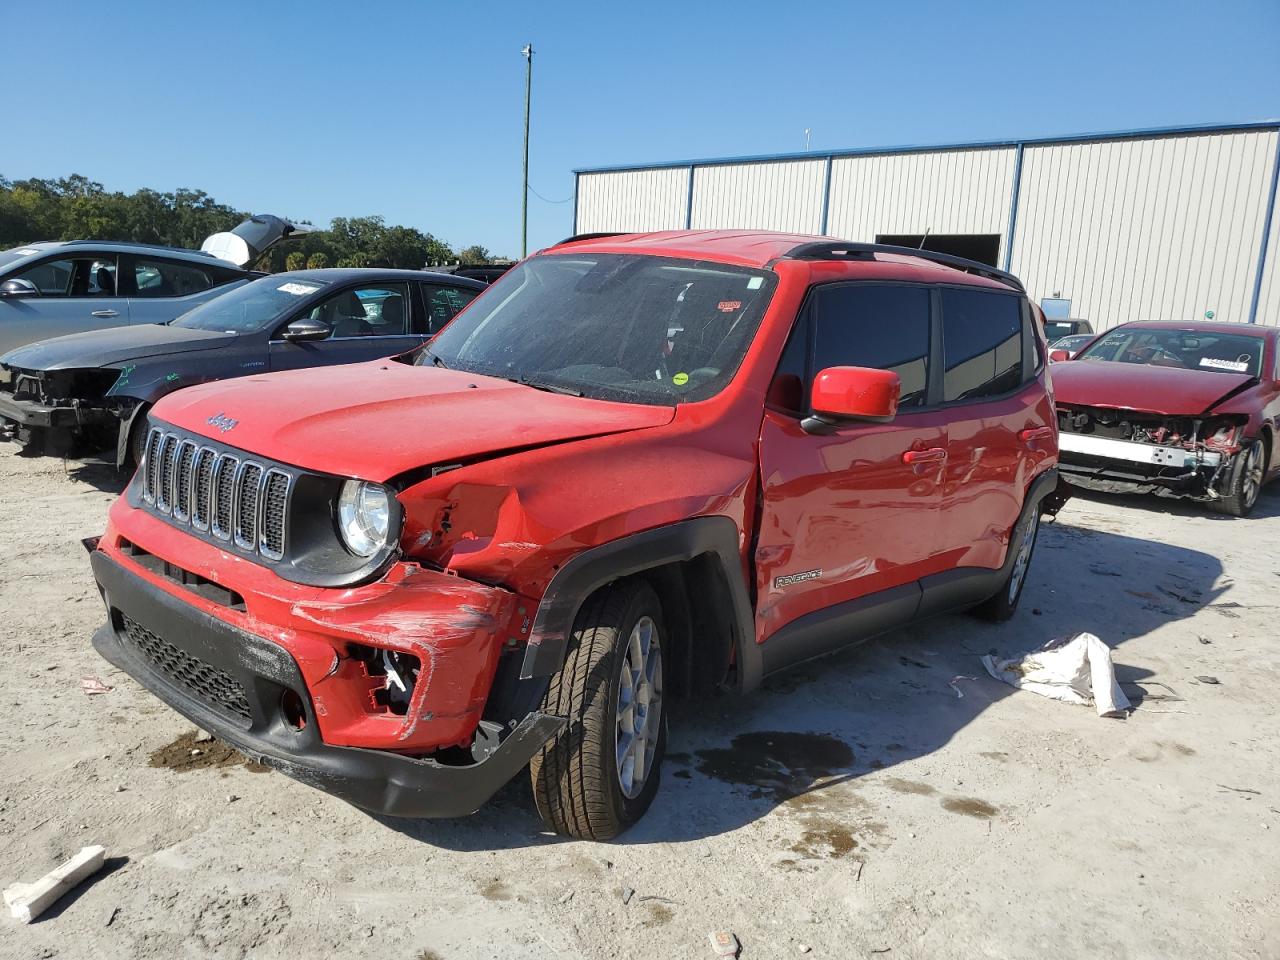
x: 137, y: 441
x: 1002, y: 605
x: 1245, y: 484
x: 576, y: 782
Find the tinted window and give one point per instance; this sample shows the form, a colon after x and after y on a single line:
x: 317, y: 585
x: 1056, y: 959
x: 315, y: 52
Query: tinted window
x: 982, y: 343
x: 787, y: 392
x: 73, y: 277
x: 875, y: 326
x: 443, y: 302
x: 163, y: 278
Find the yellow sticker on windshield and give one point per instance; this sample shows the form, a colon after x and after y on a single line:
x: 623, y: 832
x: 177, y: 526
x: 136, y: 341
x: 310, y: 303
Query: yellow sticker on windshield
x: 680, y: 379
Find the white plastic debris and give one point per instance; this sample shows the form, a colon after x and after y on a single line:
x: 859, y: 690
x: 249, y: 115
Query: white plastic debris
x: 724, y: 943
x: 26, y: 901
x: 1074, y: 670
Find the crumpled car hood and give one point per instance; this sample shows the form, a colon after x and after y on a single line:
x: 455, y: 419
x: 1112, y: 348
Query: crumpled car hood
x: 1134, y: 386
x: 376, y: 420
x: 104, y: 348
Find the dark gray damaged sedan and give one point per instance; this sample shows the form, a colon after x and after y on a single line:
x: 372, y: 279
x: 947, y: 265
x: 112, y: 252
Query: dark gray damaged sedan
x: 88, y: 392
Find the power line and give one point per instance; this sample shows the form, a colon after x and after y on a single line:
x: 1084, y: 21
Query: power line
x: 545, y: 200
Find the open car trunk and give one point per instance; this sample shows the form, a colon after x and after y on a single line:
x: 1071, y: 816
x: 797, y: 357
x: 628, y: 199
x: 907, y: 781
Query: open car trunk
x: 251, y: 239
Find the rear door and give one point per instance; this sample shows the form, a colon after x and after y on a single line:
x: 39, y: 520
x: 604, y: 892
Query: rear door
x: 442, y: 301
x: 366, y: 321
x: 1000, y: 420
x: 849, y: 518
x: 160, y: 288
x: 77, y: 293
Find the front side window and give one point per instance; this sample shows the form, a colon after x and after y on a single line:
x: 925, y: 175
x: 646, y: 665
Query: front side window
x: 981, y: 344
x: 627, y: 327
x: 253, y: 307
x: 375, y: 310
x: 164, y: 278
x: 1182, y: 349
x: 444, y: 303
x: 870, y: 325
x: 73, y: 277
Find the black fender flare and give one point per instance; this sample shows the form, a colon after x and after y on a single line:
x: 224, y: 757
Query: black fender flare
x: 592, y: 569
x: 126, y: 429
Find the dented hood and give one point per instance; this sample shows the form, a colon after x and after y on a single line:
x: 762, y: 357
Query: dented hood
x: 376, y: 420
x: 1170, y: 391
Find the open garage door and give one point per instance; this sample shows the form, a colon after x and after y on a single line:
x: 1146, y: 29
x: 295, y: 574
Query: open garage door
x: 982, y: 247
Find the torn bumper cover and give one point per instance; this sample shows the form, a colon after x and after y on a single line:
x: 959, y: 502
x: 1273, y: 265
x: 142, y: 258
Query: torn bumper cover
x: 1189, y: 470
x: 241, y: 688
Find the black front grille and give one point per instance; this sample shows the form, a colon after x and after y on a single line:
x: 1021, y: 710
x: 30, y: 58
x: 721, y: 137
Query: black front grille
x: 214, y: 687
x: 274, y: 496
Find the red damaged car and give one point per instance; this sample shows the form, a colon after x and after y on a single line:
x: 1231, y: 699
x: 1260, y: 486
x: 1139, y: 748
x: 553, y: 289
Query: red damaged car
x: 1187, y: 409
x: 636, y: 467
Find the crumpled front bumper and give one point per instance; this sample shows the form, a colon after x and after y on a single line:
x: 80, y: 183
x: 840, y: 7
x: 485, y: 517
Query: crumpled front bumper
x: 233, y: 684
x: 28, y: 413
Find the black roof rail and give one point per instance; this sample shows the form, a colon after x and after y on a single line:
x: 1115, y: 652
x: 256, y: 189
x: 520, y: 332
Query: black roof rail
x: 591, y: 236
x: 848, y: 250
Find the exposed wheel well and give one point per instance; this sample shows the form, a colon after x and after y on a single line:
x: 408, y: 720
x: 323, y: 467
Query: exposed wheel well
x: 698, y: 611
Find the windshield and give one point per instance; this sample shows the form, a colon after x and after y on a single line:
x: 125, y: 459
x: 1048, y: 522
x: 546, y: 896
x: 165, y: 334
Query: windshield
x: 251, y: 307
x: 17, y: 253
x: 612, y: 326
x: 1187, y: 349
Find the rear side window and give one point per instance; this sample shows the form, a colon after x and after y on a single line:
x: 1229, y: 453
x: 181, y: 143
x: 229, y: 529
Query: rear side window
x: 164, y: 278
x: 444, y: 302
x: 869, y: 325
x: 981, y: 344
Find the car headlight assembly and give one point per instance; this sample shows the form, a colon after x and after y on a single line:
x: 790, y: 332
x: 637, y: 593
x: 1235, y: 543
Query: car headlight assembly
x: 364, y: 517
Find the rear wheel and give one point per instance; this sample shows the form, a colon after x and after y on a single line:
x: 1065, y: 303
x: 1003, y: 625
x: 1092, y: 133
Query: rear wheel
x: 600, y: 773
x: 1245, y: 484
x: 1002, y: 605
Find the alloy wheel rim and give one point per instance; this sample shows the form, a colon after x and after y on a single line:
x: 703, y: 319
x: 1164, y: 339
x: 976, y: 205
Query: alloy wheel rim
x: 639, y: 709
x: 1023, y: 560
x: 1252, y: 475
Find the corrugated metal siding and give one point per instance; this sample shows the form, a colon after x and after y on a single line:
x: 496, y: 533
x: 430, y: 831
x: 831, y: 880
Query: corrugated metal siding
x: 953, y: 191
x: 1163, y: 228
x: 1269, y: 301
x: 759, y: 196
x: 632, y: 200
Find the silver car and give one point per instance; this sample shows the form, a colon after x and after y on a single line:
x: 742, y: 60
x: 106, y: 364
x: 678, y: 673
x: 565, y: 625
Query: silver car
x: 55, y: 288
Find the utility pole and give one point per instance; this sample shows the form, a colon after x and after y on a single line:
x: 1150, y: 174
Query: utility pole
x: 524, y: 197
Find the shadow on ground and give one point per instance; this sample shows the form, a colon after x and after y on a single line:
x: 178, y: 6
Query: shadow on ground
x: 734, y: 759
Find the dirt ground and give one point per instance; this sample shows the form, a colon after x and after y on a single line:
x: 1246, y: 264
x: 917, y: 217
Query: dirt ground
x: 861, y: 807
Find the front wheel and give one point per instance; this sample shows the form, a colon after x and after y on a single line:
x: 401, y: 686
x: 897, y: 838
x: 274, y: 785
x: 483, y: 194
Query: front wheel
x: 1247, y: 474
x: 600, y: 773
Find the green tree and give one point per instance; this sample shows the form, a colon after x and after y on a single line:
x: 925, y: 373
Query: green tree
x: 318, y: 261
x: 474, y: 254
x: 296, y: 260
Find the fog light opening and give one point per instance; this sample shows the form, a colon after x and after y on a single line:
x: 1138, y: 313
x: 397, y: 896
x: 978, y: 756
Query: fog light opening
x: 292, y: 709
x: 395, y: 672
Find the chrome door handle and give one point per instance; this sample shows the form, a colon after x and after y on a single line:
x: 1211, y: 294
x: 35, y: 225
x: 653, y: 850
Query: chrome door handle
x: 105, y: 313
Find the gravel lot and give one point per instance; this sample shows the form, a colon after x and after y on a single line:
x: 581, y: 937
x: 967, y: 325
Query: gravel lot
x: 997, y: 824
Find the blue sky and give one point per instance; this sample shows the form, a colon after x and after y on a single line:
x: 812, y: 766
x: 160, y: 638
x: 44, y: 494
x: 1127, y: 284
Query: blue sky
x: 412, y: 110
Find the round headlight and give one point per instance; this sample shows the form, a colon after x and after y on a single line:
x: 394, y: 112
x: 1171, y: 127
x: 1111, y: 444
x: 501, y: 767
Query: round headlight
x: 364, y: 516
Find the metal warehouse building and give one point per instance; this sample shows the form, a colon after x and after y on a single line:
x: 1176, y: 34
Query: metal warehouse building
x: 1110, y: 227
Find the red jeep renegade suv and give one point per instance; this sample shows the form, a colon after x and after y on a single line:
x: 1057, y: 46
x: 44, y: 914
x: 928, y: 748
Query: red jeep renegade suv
x: 637, y: 467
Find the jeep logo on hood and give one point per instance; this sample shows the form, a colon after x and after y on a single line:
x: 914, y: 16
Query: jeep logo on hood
x: 222, y: 422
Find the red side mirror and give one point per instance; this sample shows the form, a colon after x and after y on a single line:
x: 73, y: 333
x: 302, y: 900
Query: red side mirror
x: 1057, y: 356
x: 855, y: 393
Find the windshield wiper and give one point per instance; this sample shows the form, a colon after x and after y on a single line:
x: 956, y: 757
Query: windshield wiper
x: 436, y: 360
x: 549, y: 387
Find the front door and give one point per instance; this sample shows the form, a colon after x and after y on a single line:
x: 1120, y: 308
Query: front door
x: 849, y: 519
x: 366, y: 322
x: 76, y: 294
